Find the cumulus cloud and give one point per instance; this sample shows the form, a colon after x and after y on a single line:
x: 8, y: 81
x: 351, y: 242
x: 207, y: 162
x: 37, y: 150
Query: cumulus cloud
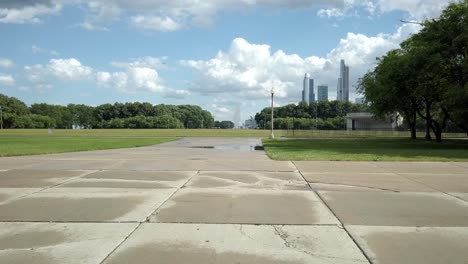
x: 138, y: 75
x: 65, y: 69
x: 6, y: 80
x: 22, y: 12
x: 248, y: 71
x: 6, y: 63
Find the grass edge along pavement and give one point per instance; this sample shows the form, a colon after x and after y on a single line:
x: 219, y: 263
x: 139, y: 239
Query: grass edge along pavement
x: 366, y: 149
x: 34, y: 145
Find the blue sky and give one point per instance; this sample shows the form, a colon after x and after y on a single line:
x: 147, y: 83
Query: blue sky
x: 219, y: 54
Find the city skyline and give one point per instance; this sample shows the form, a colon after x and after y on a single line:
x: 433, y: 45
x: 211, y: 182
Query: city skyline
x: 220, y: 55
x: 342, y: 89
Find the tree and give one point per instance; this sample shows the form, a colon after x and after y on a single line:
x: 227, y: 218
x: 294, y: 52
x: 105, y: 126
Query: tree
x: 390, y: 88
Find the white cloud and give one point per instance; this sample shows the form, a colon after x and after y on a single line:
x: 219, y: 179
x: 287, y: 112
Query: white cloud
x: 65, y: 69
x: 330, y: 12
x: 22, y: 14
x: 164, y: 24
x: 36, y: 50
x: 248, y: 71
x: 91, y: 27
x: 6, y: 80
x: 6, y: 63
x: 167, y: 16
x: 139, y: 75
x: 148, y: 61
x: 417, y: 9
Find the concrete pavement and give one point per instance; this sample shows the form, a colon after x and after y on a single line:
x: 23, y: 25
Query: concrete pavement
x: 217, y: 200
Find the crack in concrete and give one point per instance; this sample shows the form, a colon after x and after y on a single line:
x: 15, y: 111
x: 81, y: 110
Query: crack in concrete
x: 433, y: 188
x: 353, y: 185
x: 290, y: 244
x: 341, y: 223
x: 282, y: 235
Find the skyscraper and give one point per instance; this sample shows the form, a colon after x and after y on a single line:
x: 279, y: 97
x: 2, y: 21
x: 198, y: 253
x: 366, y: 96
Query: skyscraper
x: 306, y: 90
x: 322, y: 93
x: 342, y: 91
x: 311, y: 91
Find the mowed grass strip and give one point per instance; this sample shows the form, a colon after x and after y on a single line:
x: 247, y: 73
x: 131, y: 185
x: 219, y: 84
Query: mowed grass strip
x: 17, y: 146
x: 395, y: 149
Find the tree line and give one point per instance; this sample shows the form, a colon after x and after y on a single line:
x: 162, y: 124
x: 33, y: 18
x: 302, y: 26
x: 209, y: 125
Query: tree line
x: 330, y: 115
x: 426, y: 78
x: 16, y: 114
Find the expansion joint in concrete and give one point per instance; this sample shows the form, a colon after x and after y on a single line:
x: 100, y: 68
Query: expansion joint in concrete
x: 336, y: 216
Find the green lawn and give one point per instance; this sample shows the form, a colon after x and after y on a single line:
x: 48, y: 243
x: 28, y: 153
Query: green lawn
x: 30, y: 145
x: 358, y: 149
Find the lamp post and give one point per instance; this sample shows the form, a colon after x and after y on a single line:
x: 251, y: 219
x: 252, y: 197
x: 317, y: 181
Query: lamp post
x: 272, y: 94
x: 1, y: 118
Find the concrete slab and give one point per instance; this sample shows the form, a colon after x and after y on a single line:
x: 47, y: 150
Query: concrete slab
x: 442, y: 182
x: 413, y: 245
x: 397, y: 209
x: 166, y: 176
x: 73, y: 165
x: 422, y: 167
x: 52, y: 243
x: 340, y: 187
x: 344, y: 167
x: 229, y: 244
x: 463, y: 196
x: 212, y: 164
x: 243, y: 206
x: 249, y: 179
x: 27, y: 178
x: 63, y: 205
x: 371, y: 181
x: 16, y: 163
x: 7, y: 194
x: 132, y: 180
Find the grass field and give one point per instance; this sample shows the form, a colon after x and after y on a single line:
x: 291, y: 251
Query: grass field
x: 376, y: 149
x: 15, y: 146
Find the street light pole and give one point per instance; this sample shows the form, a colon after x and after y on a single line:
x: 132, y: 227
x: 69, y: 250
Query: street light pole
x: 1, y: 117
x: 272, y: 94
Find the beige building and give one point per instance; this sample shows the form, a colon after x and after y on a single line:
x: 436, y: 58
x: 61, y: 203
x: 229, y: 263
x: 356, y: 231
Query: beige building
x: 367, y: 121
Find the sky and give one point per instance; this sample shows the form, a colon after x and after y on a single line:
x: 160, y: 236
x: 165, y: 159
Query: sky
x: 223, y: 55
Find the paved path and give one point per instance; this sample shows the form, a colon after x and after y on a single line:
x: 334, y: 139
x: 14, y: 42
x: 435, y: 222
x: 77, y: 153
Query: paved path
x: 187, y: 202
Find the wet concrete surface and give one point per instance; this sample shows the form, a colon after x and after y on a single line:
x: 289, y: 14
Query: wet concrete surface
x: 412, y: 245
x: 181, y: 203
x: 373, y: 181
x: 59, y: 242
x: 200, y: 244
x: 397, y: 209
x: 244, y: 207
x: 35, y: 178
